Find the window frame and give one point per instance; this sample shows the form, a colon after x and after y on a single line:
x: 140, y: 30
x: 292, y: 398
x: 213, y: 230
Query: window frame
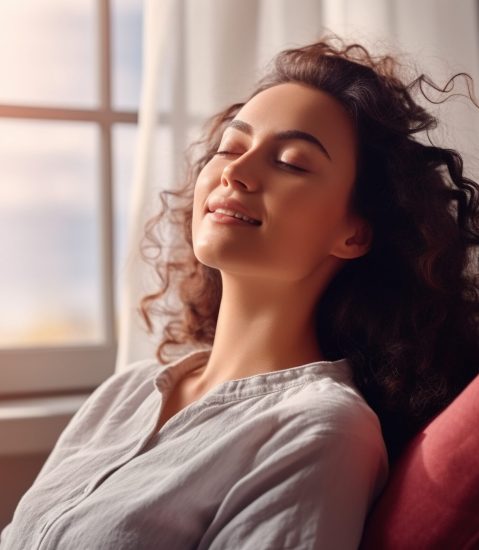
x: 53, y: 369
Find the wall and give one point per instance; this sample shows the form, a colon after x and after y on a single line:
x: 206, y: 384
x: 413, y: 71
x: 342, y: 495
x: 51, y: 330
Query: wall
x: 17, y: 473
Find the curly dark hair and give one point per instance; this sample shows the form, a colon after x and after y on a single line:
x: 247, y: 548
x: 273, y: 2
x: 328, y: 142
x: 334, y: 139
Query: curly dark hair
x: 406, y: 313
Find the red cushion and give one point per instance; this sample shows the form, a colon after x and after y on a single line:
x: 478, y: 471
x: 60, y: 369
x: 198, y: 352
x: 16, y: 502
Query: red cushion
x: 432, y: 497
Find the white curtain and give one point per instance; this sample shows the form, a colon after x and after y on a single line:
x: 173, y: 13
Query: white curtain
x: 201, y: 55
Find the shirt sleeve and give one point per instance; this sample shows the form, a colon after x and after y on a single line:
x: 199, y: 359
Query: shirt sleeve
x: 314, y: 494
x: 3, y: 534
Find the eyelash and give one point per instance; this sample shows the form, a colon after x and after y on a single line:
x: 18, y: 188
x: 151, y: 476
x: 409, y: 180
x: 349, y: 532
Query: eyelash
x: 287, y: 165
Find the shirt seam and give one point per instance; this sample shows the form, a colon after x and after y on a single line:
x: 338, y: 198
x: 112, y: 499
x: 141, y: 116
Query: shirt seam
x: 225, y: 398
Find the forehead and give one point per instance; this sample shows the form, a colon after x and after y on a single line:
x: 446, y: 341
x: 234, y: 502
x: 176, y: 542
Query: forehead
x: 300, y: 107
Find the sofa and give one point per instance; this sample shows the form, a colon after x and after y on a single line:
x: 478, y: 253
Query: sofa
x: 431, y: 500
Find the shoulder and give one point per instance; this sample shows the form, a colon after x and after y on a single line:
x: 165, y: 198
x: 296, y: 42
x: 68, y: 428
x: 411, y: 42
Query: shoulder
x: 131, y: 385
x: 136, y: 378
x: 125, y: 391
x: 333, y: 405
x: 343, y: 429
x: 117, y: 396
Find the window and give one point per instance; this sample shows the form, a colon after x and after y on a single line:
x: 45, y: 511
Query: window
x: 69, y: 98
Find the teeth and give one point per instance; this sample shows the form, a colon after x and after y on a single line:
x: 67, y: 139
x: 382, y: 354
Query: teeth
x: 236, y: 215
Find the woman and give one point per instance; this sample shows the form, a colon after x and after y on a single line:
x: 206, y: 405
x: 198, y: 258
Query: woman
x: 326, y: 271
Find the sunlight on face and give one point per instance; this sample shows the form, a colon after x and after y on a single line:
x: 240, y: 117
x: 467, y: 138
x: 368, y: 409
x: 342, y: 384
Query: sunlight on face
x: 289, y: 159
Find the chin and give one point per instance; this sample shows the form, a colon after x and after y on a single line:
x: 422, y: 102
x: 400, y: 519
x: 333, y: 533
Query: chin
x: 204, y: 256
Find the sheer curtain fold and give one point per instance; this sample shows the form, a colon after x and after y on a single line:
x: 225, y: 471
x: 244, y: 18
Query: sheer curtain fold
x: 201, y: 55
x: 133, y: 342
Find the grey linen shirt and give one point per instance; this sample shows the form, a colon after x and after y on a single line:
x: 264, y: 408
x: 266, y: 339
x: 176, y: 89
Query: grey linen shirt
x: 286, y: 459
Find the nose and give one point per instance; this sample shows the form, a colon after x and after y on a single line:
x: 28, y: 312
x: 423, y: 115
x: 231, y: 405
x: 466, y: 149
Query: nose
x: 242, y: 172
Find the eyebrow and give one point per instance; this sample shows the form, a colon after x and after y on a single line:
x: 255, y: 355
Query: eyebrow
x: 284, y: 135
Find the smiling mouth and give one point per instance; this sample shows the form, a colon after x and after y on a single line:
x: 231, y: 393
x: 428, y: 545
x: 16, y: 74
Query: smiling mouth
x: 237, y: 215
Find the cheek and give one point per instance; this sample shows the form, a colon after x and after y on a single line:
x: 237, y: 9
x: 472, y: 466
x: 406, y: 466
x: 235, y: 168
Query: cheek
x: 311, y: 222
x: 321, y: 209
x: 203, y: 188
x: 200, y: 196
x: 197, y: 215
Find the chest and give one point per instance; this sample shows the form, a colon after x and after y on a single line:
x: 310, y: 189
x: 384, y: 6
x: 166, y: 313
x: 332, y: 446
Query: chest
x: 180, y: 397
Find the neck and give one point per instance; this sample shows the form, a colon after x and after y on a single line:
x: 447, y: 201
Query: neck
x: 261, y: 328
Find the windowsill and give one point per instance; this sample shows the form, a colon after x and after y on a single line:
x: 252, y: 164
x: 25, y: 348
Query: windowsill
x: 32, y: 426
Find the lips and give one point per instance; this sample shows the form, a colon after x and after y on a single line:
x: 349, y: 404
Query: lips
x: 232, y: 206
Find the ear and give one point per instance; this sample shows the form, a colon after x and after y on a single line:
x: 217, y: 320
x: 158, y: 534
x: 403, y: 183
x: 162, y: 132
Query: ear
x: 355, y: 242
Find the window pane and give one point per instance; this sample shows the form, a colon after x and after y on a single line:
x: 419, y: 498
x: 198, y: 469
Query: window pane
x: 124, y: 138
x: 48, y: 52
x: 126, y: 52
x: 49, y: 234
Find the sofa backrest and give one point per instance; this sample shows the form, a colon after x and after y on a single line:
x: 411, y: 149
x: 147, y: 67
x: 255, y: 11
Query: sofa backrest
x: 432, y: 497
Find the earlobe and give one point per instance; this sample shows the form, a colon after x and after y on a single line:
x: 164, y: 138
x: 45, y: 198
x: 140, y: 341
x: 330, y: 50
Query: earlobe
x: 357, y: 244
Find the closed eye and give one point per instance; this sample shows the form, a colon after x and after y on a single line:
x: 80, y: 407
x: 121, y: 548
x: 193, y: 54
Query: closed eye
x: 225, y: 153
x: 286, y: 165
x: 291, y: 166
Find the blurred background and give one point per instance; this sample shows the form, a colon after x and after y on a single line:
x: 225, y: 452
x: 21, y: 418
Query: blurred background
x: 98, y: 102
x: 50, y: 178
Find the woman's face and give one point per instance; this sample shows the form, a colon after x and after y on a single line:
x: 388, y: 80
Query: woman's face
x: 289, y: 160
